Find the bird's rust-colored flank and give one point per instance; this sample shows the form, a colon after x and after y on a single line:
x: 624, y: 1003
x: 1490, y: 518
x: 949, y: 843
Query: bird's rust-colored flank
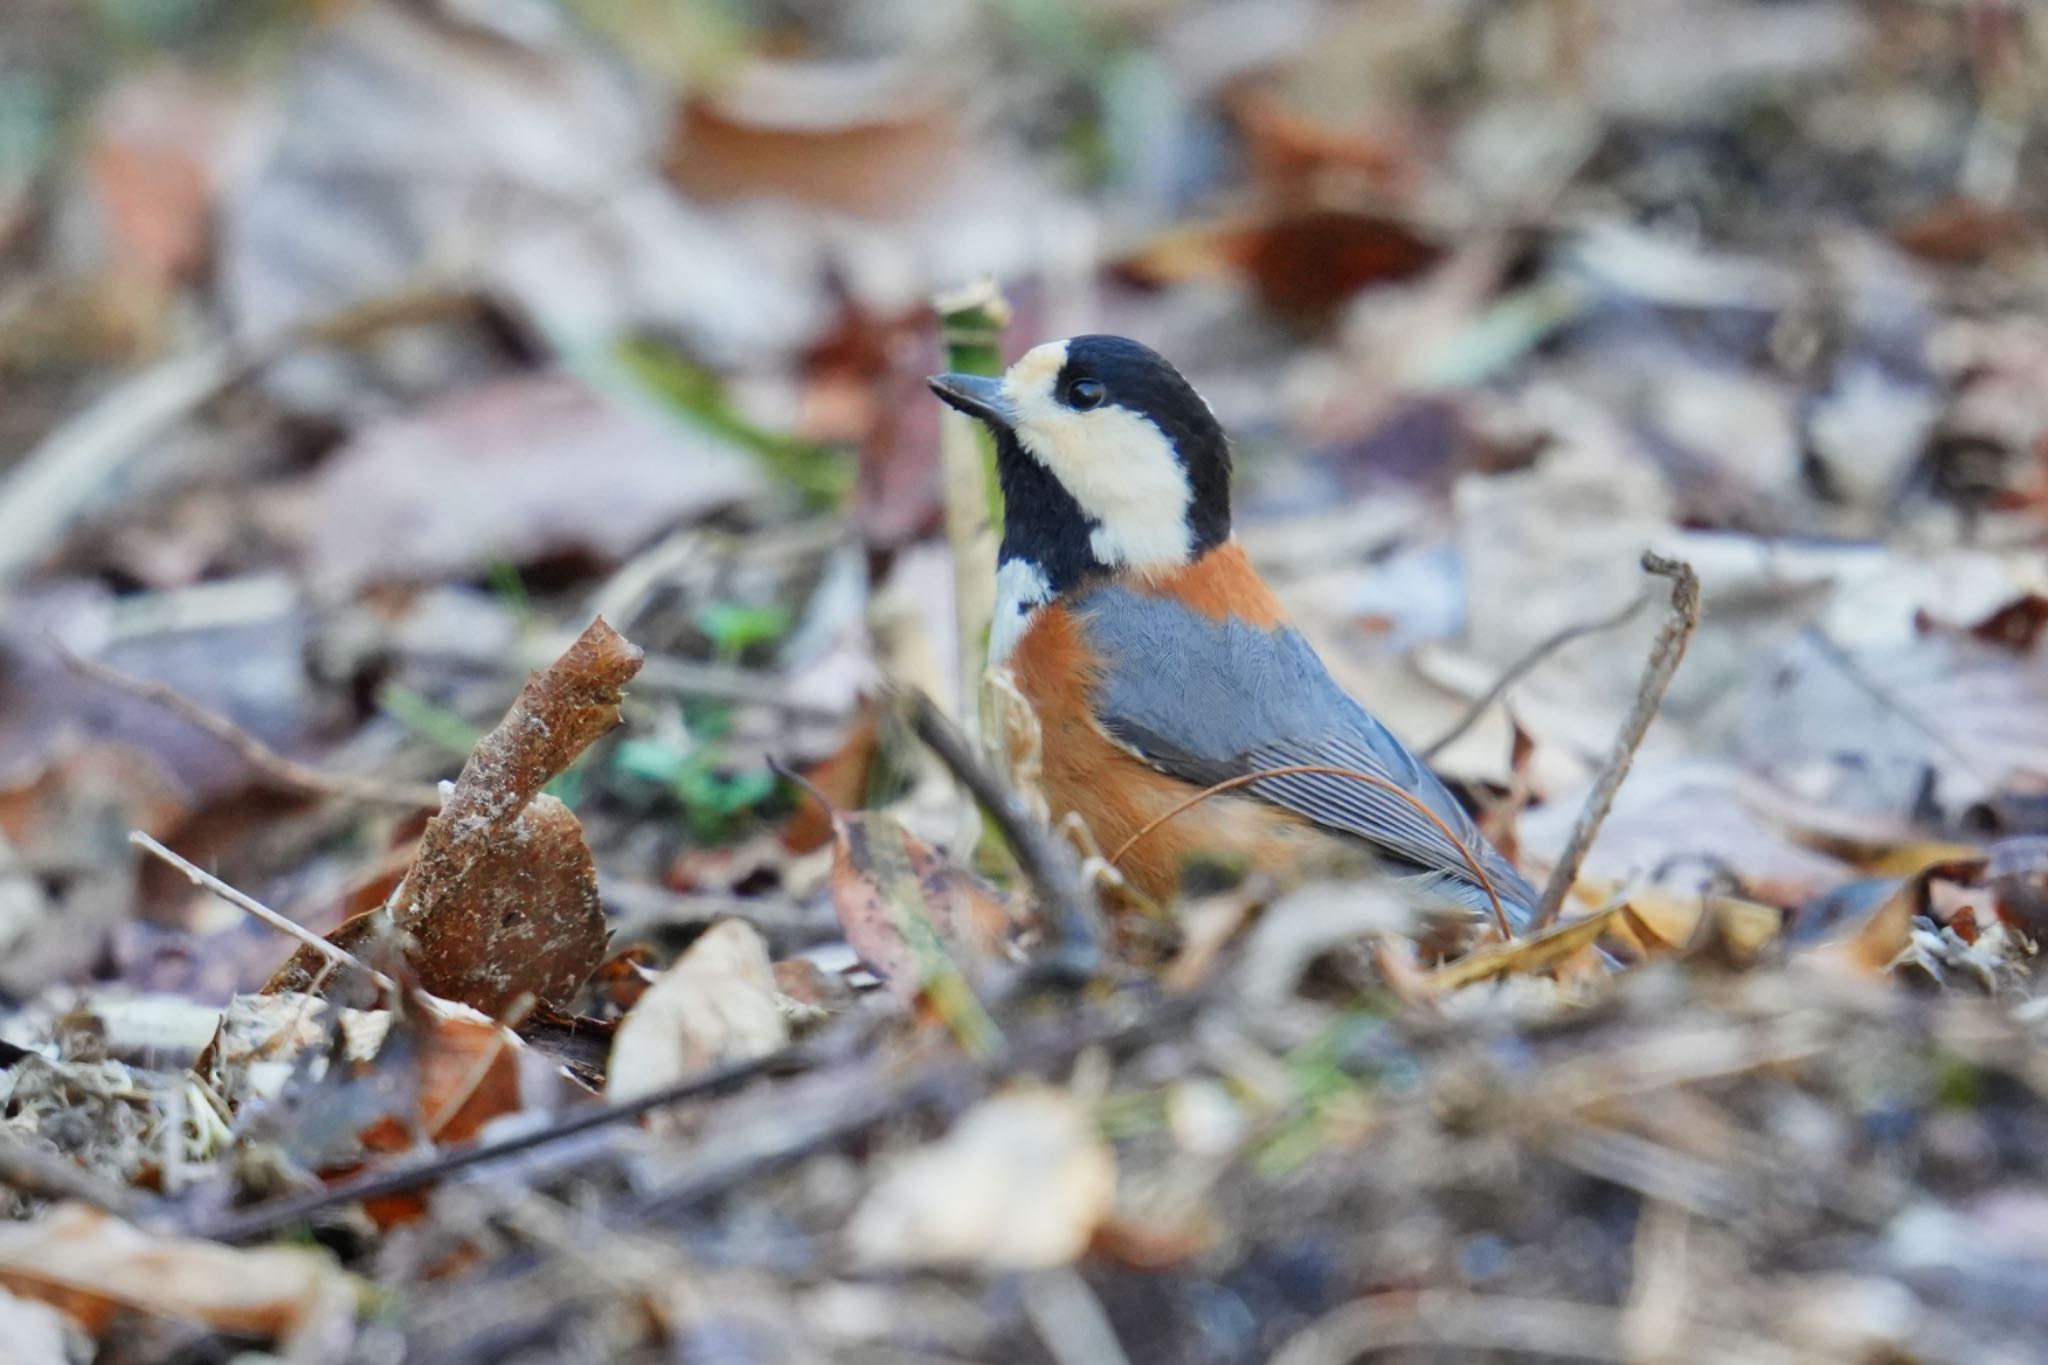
x: 1115, y: 792
x: 1220, y: 585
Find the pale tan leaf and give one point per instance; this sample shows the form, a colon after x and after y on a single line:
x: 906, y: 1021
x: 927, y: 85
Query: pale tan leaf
x: 717, y: 1006
x: 91, y: 1265
x: 1021, y: 1182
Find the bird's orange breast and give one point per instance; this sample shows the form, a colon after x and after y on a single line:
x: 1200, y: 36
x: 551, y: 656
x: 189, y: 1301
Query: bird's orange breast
x: 1090, y: 774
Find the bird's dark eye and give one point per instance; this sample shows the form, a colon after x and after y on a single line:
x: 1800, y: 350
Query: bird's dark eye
x: 1084, y: 394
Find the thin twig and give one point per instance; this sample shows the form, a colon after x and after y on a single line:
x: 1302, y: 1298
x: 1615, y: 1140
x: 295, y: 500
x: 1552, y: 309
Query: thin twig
x: 199, y: 877
x: 242, y: 1225
x: 1047, y: 863
x: 251, y: 750
x: 1500, y: 914
x: 720, y: 1169
x: 1665, y: 656
x: 1525, y: 665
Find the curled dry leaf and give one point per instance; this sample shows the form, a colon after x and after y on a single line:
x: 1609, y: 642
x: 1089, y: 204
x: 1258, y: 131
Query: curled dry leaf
x: 1022, y: 1182
x: 92, y: 1265
x: 1870, y: 944
x: 1539, y: 952
x: 502, y: 898
x: 464, y: 1070
x: 1656, y: 923
x: 717, y: 1006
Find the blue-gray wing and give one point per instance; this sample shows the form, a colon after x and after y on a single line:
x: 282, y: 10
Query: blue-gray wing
x: 1208, y: 700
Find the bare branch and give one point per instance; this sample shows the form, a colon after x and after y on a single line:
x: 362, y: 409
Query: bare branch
x: 284, y: 771
x: 199, y: 877
x: 1665, y: 656
x: 1526, y: 665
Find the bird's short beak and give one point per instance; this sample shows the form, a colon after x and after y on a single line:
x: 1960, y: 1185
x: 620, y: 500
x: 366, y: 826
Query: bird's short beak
x: 977, y: 396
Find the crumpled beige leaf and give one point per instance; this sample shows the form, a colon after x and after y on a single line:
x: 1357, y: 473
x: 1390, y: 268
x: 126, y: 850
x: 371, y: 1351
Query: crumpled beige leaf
x: 1021, y: 1183
x: 90, y: 1265
x: 717, y: 1006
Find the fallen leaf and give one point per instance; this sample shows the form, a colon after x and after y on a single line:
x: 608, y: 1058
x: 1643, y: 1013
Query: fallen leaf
x: 1657, y: 922
x: 408, y: 146
x: 1869, y: 944
x: 874, y: 160
x: 91, y: 1265
x: 715, y: 1007
x: 155, y: 162
x: 1963, y: 231
x: 843, y: 777
x: 905, y: 909
x: 1301, y: 264
x: 1525, y: 956
x: 2017, y: 626
x: 502, y: 899
x: 1021, y: 1182
x: 509, y: 472
x: 805, y: 983
x: 519, y: 915
x: 1932, y: 717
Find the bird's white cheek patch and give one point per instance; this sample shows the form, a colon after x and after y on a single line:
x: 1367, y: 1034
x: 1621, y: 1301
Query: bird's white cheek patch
x: 1123, y: 472
x: 1021, y: 589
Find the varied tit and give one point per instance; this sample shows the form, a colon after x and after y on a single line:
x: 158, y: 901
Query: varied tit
x: 1158, y: 661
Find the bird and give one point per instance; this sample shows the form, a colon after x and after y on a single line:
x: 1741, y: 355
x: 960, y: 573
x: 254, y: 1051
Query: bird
x: 1158, y: 662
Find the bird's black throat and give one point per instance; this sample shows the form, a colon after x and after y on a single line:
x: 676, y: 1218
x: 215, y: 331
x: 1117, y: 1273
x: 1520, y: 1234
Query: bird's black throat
x: 1042, y: 522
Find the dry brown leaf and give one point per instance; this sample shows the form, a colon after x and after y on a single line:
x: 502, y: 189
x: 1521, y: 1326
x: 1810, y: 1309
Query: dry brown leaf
x: 1301, y: 264
x: 890, y: 888
x: 521, y: 916
x: 715, y: 1007
x: 502, y: 898
x: 466, y: 1072
x: 842, y: 137
x: 843, y: 777
x: 92, y: 1265
x: 1022, y: 1181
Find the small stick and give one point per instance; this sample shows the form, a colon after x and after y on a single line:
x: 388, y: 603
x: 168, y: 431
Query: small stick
x: 246, y: 1224
x: 1048, y: 864
x: 199, y: 877
x: 253, y: 751
x: 1665, y: 655
x: 1500, y: 914
x: 1527, y: 664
